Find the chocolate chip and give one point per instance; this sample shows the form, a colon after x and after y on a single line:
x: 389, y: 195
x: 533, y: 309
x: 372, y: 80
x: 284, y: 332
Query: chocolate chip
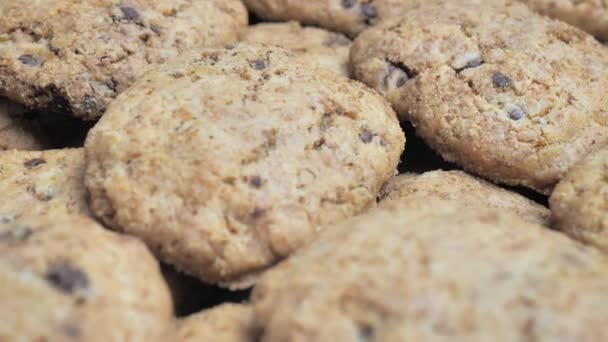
x: 257, y: 213
x: 366, y: 332
x: 501, y: 80
x: 66, y: 277
x: 129, y: 13
x: 348, y: 3
x: 29, y: 60
x: 71, y: 330
x: 155, y: 29
x: 229, y: 46
x: 33, y: 163
x: 258, y: 64
x: 369, y: 13
x: 366, y: 136
x: 255, y: 181
x: 516, y: 113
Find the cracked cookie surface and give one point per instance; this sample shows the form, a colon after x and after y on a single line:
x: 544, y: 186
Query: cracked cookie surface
x: 503, y: 92
x: 66, y: 278
x: 579, y: 203
x: 589, y: 15
x: 35, y: 183
x: 224, y: 323
x: 225, y: 161
x: 346, y: 16
x: 76, y: 56
x: 464, y: 188
x: 320, y: 47
x: 435, y: 271
x: 18, y: 132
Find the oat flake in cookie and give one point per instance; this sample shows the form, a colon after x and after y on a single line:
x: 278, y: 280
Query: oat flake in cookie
x: 76, y: 56
x: 68, y: 279
x: 436, y: 271
x: 317, y: 46
x: 225, y: 161
x: 589, y: 15
x: 346, y: 16
x: 579, y: 203
x: 505, y: 93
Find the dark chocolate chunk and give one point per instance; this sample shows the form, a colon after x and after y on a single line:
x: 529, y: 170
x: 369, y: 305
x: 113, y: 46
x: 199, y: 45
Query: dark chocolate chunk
x: 29, y: 60
x: 516, y: 113
x: 66, y: 278
x: 30, y: 164
x: 129, y: 13
x: 369, y: 13
x: 255, y: 181
x: 155, y: 29
x: 501, y: 80
x: 258, y: 64
x: 348, y: 3
x: 366, y: 136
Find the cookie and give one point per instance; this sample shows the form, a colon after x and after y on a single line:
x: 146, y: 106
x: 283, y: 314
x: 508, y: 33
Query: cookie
x: 501, y: 91
x: 17, y: 132
x: 69, y: 279
x: 34, y: 183
x: 346, y: 16
x: 462, y: 187
x: 322, y: 48
x: 436, y: 271
x: 225, y: 323
x: 225, y: 161
x: 579, y: 202
x: 76, y: 56
x: 589, y: 15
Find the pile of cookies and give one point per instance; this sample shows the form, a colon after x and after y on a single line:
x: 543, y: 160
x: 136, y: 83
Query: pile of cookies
x: 227, y: 170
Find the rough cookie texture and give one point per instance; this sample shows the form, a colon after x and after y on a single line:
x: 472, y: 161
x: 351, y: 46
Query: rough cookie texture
x: 579, y: 204
x: 76, y: 56
x: 34, y: 183
x: 505, y: 93
x: 436, y: 271
x: 69, y: 279
x: 16, y: 132
x: 589, y: 15
x: 346, y: 16
x: 227, y: 160
x: 225, y: 323
x: 464, y: 188
x: 322, y: 48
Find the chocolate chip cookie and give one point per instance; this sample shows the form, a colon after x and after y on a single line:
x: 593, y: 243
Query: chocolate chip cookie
x: 76, y: 56
x: 503, y: 92
x: 436, y: 271
x: 225, y: 323
x: 69, y: 279
x: 579, y: 204
x: 462, y: 187
x: 226, y: 160
x: 36, y: 183
x: 322, y: 48
x: 589, y: 15
x: 346, y: 16
x: 16, y: 131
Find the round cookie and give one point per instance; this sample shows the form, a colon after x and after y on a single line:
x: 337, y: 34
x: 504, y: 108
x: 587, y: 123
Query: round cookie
x: 225, y: 161
x: 464, y: 188
x: 346, y: 16
x: 16, y: 132
x: 225, y: 323
x: 589, y: 15
x: 322, y: 48
x: 34, y: 183
x: 436, y: 271
x: 68, y: 279
x: 503, y: 92
x: 77, y: 56
x: 579, y: 203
